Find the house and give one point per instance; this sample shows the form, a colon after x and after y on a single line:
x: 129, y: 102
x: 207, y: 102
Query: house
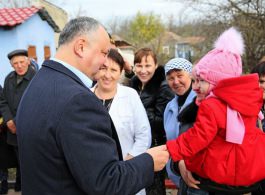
x: 126, y: 48
x: 169, y: 40
x: 189, y: 47
x: 59, y: 15
x: 30, y: 28
x: 127, y: 51
x: 174, y: 45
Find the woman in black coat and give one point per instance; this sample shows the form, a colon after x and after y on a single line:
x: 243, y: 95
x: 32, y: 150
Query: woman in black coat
x: 149, y: 81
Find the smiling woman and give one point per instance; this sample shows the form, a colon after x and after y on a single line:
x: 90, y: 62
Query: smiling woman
x: 177, y: 71
x: 149, y: 81
x: 132, y: 124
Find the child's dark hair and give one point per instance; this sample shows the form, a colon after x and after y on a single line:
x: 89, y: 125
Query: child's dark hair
x: 259, y: 68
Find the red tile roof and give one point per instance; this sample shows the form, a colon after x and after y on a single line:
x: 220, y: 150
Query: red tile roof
x: 15, y: 16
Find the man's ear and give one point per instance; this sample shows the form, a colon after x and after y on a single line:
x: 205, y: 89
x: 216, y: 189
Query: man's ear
x: 79, y: 46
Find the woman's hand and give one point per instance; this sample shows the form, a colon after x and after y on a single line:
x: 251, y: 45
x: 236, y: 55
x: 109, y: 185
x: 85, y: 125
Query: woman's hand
x: 187, y: 175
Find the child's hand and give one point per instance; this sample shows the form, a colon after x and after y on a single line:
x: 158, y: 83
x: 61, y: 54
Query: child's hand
x: 187, y: 175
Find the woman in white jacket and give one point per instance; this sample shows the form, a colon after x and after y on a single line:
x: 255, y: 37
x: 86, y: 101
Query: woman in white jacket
x: 125, y: 108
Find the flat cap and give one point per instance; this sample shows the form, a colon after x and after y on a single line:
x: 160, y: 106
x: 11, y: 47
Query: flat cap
x: 17, y: 52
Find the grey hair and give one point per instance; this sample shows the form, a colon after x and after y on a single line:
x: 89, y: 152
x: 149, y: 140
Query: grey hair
x: 76, y: 27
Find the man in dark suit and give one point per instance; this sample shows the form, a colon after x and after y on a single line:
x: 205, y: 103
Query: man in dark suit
x: 67, y: 141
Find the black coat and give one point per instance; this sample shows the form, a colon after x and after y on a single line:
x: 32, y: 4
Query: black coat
x: 7, y: 154
x: 67, y: 142
x: 187, y: 116
x: 9, y: 100
x: 155, y: 96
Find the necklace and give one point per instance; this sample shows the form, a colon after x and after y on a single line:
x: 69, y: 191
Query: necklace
x: 107, y: 103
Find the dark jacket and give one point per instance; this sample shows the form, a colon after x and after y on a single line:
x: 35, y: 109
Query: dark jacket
x: 7, y: 155
x: 9, y: 100
x: 155, y: 96
x: 187, y: 116
x: 67, y: 142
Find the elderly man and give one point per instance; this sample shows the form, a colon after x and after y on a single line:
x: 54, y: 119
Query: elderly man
x: 68, y: 143
x: 14, y: 86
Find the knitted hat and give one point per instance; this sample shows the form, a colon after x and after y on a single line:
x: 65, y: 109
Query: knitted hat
x: 224, y: 60
x: 179, y: 64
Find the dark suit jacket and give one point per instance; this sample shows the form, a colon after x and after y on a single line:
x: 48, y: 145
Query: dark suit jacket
x: 67, y: 143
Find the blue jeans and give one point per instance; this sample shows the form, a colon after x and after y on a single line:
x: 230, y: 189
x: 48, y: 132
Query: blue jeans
x: 185, y: 190
x: 193, y: 191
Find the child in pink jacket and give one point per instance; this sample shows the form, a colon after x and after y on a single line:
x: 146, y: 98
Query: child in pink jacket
x: 224, y: 146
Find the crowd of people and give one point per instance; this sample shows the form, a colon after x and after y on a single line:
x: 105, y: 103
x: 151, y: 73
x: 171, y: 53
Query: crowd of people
x: 73, y: 128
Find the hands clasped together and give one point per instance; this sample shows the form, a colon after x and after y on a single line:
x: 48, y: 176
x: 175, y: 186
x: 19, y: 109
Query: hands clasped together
x: 161, y: 156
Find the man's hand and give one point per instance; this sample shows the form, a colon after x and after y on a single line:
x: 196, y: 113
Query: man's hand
x: 160, y: 156
x: 187, y: 175
x: 11, y: 126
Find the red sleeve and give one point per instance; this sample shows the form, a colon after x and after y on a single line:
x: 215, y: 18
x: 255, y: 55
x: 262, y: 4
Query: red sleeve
x: 196, y: 138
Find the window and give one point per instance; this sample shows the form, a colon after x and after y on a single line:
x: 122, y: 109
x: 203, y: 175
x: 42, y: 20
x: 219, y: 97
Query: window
x: 32, y: 52
x: 47, y: 52
x: 166, y: 50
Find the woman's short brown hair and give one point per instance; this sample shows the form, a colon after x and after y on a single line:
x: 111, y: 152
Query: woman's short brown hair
x: 144, y: 52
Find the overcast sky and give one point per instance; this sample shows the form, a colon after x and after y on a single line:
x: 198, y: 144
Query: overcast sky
x: 107, y: 10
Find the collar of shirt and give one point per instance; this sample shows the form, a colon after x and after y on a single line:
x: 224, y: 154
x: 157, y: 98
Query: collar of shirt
x: 86, y: 80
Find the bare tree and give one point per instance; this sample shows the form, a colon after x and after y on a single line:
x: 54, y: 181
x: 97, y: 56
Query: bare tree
x: 247, y: 15
x: 80, y: 11
x: 115, y: 23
